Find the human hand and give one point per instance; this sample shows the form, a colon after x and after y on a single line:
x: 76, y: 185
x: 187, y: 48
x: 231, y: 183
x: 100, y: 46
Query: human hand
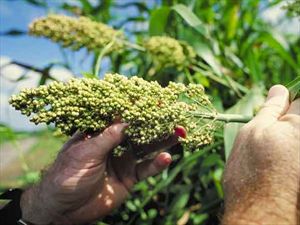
x: 262, y: 176
x: 86, y: 182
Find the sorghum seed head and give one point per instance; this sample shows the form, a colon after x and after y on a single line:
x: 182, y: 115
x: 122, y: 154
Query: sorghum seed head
x: 89, y: 105
x: 76, y: 33
x: 169, y: 52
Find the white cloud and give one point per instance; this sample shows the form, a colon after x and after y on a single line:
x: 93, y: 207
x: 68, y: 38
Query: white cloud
x: 276, y: 15
x: 11, y: 72
x: 273, y: 14
x: 13, y: 118
x: 8, y: 86
x: 4, y: 60
x: 61, y: 74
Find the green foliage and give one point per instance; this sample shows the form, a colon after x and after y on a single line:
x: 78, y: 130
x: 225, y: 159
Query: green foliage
x: 293, y: 7
x: 294, y: 88
x: 246, y: 106
x: 6, y: 134
x: 236, y: 52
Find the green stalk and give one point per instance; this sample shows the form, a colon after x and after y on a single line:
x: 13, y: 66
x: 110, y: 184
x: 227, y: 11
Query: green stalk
x: 227, y: 118
x: 107, y: 48
x: 101, y: 55
x: 134, y: 46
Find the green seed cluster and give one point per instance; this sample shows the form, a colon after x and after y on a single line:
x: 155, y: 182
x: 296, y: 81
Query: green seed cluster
x: 169, y: 52
x: 76, y: 33
x: 90, y: 105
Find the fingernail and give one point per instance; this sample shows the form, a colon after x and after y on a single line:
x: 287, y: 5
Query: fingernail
x: 180, y: 132
x: 164, y: 160
x: 167, y: 161
x: 277, y: 91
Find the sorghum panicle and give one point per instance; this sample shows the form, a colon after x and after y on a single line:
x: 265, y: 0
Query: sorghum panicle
x: 89, y: 105
x: 169, y: 52
x: 76, y: 33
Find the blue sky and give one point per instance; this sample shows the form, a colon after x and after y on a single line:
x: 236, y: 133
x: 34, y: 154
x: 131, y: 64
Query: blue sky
x: 17, y: 14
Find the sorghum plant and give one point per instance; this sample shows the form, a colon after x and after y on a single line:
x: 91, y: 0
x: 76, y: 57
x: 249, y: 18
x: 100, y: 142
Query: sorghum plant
x: 90, y: 105
x: 84, y: 32
x: 169, y: 52
x: 77, y: 33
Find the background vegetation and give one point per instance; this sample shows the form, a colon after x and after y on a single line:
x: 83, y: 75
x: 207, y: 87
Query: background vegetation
x: 239, y: 56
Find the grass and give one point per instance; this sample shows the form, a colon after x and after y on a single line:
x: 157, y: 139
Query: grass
x: 40, y: 154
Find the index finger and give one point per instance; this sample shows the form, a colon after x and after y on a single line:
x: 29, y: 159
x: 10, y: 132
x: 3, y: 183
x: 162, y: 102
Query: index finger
x: 143, y: 150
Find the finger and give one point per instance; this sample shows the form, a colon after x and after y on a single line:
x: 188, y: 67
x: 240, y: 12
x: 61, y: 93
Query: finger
x: 143, y: 150
x: 111, y: 137
x: 152, y: 167
x: 275, y: 106
x: 88, y: 148
x: 294, y: 107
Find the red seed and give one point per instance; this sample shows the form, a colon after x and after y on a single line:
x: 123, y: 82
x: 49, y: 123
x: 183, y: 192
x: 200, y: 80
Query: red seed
x: 180, y: 132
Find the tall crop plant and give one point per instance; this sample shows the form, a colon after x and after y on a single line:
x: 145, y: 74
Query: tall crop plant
x: 224, y: 46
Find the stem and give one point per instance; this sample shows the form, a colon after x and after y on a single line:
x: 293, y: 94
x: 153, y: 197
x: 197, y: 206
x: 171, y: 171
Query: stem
x: 135, y: 46
x: 227, y: 118
x: 24, y: 165
x: 102, y: 53
x: 107, y: 47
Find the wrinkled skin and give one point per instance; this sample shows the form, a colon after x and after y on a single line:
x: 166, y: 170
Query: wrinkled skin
x: 86, y: 182
x: 262, y: 175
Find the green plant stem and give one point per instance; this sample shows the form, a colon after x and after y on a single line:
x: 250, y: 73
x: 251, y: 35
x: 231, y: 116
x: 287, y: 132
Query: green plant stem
x: 24, y: 165
x: 107, y: 48
x: 101, y: 55
x: 227, y: 118
x: 134, y: 46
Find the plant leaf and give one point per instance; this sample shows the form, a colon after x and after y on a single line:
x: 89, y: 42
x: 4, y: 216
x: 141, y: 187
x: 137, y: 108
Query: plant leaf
x: 207, y: 55
x: 252, y: 62
x: 158, y: 20
x: 232, y: 18
x: 244, y: 106
x: 6, y: 134
x: 294, y: 88
x: 39, y: 3
x: 86, y: 5
x: 89, y: 75
x: 274, y: 41
x: 191, y: 19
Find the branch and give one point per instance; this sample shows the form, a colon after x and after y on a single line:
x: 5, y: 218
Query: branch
x: 45, y: 72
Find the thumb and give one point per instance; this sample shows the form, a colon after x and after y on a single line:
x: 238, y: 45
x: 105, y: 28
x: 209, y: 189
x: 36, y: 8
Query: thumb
x: 274, y: 107
x: 88, y: 148
x: 111, y: 137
